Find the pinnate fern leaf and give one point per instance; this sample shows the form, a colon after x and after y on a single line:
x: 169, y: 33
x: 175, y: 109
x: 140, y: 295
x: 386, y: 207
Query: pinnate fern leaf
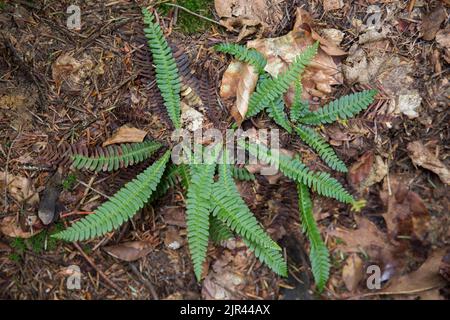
x: 319, y: 255
x: 299, y: 108
x: 271, y: 257
x: 342, y: 108
x: 218, y: 230
x: 275, y: 110
x: 115, y: 156
x: 120, y: 207
x: 294, y: 169
x: 241, y: 174
x: 198, y: 206
x: 232, y: 210
x: 242, y: 53
x: 167, y: 74
x: 273, y: 88
x: 318, y: 143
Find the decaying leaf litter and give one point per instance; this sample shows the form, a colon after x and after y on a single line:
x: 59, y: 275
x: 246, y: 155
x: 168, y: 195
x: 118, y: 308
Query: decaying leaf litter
x: 64, y: 88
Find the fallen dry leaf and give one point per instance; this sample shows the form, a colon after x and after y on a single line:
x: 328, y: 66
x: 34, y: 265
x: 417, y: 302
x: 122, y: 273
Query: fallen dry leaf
x: 366, y: 171
x: 421, y: 156
x: 174, y: 216
x: 126, y: 134
x: 172, y: 238
x: 444, y: 268
x: 443, y: 37
x: 425, y: 278
x: 431, y: 23
x: 130, y: 251
x: 11, y: 228
x: 239, y: 80
x: 20, y: 188
x: 352, y: 272
x: 407, y: 217
x: 72, y: 72
x: 320, y: 75
x: 249, y: 15
x: 329, y: 5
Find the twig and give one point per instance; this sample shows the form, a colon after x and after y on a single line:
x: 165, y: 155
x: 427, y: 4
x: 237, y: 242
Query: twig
x: 100, y: 272
x: 91, y: 188
x: 390, y: 293
x: 8, y: 156
x: 146, y: 282
x: 193, y: 13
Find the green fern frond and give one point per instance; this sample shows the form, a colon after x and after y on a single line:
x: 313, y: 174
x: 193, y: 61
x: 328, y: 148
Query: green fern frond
x: 342, y: 108
x: 319, y: 255
x: 198, y: 206
x: 218, y: 230
x: 167, y: 75
x: 299, y: 107
x: 242, y: 174
x: 168, y: 180
x: 271, y: 257
x: 242, y: 53
x: 321, y: 182
x: 232, y: 210
x: 318, y: 143
x: 273, y: 88
x: 120, y: 207
x: 275, y: 110
x: 114, y: 157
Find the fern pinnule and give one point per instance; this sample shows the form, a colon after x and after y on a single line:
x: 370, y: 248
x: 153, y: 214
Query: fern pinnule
x: 114, y: 157
x: 167, y: 75
x: 343, y: 108
x: 318, y: 143
x: 273, y: 88
x: 242, y: 53
x: 319, y: 255
x: 120, y: 207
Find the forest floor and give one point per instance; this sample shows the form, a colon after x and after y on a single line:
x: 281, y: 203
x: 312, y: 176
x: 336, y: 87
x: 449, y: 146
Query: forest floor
x: 62, y: 88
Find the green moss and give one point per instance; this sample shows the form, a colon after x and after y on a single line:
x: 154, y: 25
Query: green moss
x: 69, y: 182
x: 189, y: 23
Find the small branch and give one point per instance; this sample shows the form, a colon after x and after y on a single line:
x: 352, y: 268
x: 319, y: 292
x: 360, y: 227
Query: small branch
x: 193, y: 13
x: 100, y: 272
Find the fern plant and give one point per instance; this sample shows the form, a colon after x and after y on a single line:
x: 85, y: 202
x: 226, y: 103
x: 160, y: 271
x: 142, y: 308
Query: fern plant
x: 215, y: 209
x: 269, y: 96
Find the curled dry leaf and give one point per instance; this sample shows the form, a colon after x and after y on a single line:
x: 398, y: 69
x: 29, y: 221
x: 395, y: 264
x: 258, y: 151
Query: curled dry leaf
x: 72, y: 72
x: 130, y: 251
x: 249, y: 15
x: 421, y: 156
x: 352, y: 272
x: 11, y: 228
x: 20, y: 188
x: 329, y: 5
x: 425, y: 278
x: 239, y: 82
x: 366, y: 171
x: 407, y: 217
x: 126, y: 134
x: 431, y: 23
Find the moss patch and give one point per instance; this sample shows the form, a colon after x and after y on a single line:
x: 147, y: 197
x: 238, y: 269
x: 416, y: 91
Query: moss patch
x: 189, y: 23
